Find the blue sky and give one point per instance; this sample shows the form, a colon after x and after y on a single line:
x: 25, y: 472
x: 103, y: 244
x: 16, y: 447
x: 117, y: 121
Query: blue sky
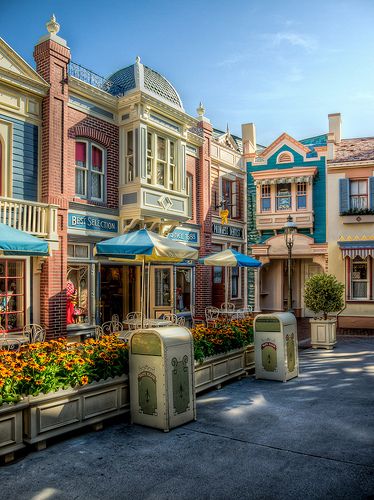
x: 283, y: 65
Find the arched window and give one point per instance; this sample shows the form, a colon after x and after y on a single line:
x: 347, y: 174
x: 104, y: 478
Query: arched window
x: 89, y: 170
x: 285, y: 157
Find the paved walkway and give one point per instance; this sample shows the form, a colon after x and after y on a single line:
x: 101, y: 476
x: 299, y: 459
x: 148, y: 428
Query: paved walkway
x: 312, y: 437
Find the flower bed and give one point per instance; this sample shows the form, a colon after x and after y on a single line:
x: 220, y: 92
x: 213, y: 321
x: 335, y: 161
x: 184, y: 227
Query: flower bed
x: 49, y: 366
x: 221, y: 337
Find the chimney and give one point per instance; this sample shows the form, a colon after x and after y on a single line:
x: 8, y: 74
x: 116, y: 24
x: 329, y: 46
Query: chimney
x: 335, y: 126
x: 249, y: 138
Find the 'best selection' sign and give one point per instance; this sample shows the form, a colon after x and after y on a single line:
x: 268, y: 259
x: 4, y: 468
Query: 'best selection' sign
x: 92, y: 223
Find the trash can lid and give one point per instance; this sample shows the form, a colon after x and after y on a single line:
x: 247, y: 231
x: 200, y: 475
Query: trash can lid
x: 168, y: 335
x: 285, y: 318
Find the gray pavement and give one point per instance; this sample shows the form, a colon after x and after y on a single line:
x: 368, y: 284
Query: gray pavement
x: 312, y: 437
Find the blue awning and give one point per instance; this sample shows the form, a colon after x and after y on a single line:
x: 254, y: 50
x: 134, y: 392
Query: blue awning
x: 15, y: 242
x: 357, y: 248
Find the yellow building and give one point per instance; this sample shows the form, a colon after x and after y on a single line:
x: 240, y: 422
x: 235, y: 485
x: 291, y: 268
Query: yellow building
x: 350, y: 224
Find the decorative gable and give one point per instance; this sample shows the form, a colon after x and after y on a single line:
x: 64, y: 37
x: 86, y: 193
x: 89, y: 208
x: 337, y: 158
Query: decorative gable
x: 15, y: 71
x: 284, y: 148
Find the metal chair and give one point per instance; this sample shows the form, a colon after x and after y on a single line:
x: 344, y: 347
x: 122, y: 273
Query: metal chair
x: 181, y: 321
x: 98, y: 332
x: 211, y: 315
x: 34, y: 333
x: 171, y: 317
x: 194, y: 320
x: 9, y: 344
x: 110, y: 327
x: 115, y: 318
x: 228, y: 306
x: 133, y: 320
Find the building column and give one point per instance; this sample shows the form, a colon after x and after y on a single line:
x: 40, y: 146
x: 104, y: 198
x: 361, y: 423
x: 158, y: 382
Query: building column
x: 257, y: 308
x: 52, y: 56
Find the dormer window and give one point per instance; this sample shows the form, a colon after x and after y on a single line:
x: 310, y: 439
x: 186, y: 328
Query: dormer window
x: 285, y: 157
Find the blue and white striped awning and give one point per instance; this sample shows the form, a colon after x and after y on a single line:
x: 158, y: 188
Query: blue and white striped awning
x: 358, y: 248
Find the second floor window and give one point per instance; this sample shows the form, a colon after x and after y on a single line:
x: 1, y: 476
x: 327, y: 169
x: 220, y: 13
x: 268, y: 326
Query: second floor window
x: 230, y: 194
x: 284, y: 200
x: 161, y: 161
x: 265, y: 198
x: 189, y: 192
x: 358, y: 194
x: 89, y: 171
x: 301, y: 196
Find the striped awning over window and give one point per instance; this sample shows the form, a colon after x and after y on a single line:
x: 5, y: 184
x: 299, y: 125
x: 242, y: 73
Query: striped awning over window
x: 285, y: 180
x: 354, y: 249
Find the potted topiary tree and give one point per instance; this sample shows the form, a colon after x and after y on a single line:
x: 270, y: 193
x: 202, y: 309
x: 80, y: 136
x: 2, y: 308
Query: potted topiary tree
x: 323, y: 294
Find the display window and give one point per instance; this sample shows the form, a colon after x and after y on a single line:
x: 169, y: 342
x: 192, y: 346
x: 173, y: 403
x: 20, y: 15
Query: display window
x: 77, y: 286
x: 12, y: 294
x: 183, y: 289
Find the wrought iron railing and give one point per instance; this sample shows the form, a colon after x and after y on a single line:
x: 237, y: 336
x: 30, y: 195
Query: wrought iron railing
x: 88, y: 76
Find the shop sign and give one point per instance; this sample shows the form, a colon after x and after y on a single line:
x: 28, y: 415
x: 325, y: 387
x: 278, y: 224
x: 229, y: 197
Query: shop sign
x: 190, y: 237
x: 92, y: 223
x: 231, y: 231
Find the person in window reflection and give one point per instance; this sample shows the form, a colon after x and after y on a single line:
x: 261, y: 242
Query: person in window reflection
x: 71, y: 300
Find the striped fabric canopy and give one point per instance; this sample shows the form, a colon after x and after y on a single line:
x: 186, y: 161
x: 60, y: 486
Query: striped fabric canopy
x: 230, y: 258
x: 359, y: 248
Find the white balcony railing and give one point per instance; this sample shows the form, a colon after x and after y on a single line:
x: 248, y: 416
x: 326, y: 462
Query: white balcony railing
x: 38, y: 219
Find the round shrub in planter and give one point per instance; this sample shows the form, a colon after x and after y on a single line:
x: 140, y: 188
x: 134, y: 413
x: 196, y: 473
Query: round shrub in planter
x: 323, y: 294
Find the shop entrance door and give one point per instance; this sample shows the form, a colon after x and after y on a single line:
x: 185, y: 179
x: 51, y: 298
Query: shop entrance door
x: 118, y: 291
x: 161, y: 291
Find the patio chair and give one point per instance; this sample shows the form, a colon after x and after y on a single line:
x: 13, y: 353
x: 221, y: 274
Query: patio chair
x: 115, y: 318
x: 211, y: 315
x: 194, y: 320
x: 9, y: 344
x: 181, y: 321
x: 98, y: 332
x: 34, y: 333
x: 171, y: 317
x: 110, y: 327
x: 133, y: 320
x: 228, y: 306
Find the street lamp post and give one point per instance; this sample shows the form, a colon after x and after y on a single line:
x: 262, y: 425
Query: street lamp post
x: 290, y: 230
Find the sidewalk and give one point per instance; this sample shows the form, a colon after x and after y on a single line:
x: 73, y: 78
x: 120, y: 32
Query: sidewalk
x: 312, y: 437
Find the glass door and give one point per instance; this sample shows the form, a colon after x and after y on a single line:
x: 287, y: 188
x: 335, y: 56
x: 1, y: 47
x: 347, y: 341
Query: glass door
x: 162, y: 291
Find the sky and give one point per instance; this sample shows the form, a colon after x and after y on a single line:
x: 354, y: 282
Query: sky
x: 283, y: 65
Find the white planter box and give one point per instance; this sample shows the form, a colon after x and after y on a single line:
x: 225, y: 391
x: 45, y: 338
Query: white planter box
x: 55, y: 413
x: 223, y: 367
x: 11, y: 430
x: 323, y: 333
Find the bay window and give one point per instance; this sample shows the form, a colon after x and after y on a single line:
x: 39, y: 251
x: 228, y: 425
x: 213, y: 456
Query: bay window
x: 162, y: 161
x: 89, y: 171
x: 301, y: 195
x: 130, y: 167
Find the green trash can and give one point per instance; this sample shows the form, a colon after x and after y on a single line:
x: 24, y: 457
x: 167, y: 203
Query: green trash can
x: 161, y: 376
x: 276, y: 349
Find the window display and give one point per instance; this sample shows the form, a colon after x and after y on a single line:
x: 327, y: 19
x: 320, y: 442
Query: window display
x: 183, y: 289
x: 77, y: 304
x: 12, y: 294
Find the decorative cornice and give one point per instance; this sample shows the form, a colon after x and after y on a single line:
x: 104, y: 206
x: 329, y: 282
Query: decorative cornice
x: 284, y: 137
x: 93, y: 93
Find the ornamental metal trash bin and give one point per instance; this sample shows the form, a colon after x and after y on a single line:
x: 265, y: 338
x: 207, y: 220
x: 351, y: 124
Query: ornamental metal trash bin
x: 276, y: 354
x: 161, y: 376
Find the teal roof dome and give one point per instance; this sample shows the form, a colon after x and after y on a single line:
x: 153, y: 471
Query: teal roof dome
x: 140, y: 77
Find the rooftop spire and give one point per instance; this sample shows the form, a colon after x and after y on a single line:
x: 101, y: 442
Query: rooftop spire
x: 52, y: 25
x: 200, y: 110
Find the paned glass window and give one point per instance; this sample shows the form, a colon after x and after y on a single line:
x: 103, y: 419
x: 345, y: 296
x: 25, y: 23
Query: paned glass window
x: 12, y: 294
x: 77, y: 286
x: 89, y: 171
x: 162, y: 287
x: 230, y: 194
x: 235, y: 279
x: 359, y: 278
x: 265, y: 198
x: 150, y: 157
x: 301, y: 196
x: 189, y: 192
x: 162, y: 162
x: 130, y: 169
x: 283, y: 201
x: 358, y: 191
x: 183, y: 289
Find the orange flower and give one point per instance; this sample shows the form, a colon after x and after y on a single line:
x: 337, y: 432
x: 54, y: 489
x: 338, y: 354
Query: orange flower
x: 84, y: 380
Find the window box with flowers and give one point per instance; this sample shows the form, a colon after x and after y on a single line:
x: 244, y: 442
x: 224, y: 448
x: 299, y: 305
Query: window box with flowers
x: 52, y: 388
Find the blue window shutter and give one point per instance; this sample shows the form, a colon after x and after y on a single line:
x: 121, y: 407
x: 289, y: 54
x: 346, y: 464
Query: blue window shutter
x: 343, y: 195
x: 371, y: 192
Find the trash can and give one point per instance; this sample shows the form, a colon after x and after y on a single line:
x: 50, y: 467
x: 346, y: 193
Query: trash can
x: 161, y: 375
x: 276, y: 354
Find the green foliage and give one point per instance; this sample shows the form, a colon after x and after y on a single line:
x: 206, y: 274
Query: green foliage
x: 358, y: 211
x: 324, y: 293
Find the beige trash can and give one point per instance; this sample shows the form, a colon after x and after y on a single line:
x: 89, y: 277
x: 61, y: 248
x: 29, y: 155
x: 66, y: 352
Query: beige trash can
x: 161, y: 376
x: 276, y: 349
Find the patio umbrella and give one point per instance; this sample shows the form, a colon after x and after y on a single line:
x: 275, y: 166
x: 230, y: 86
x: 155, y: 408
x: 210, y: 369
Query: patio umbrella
x: 229, y: 258
x: 16, y: 242
x: 146, y: 246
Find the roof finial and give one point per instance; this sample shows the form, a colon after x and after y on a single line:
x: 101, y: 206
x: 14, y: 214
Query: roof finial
x: 200, y: 110
x: 227, y: 129
x: 52, y: 25
x: 137, y: 59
